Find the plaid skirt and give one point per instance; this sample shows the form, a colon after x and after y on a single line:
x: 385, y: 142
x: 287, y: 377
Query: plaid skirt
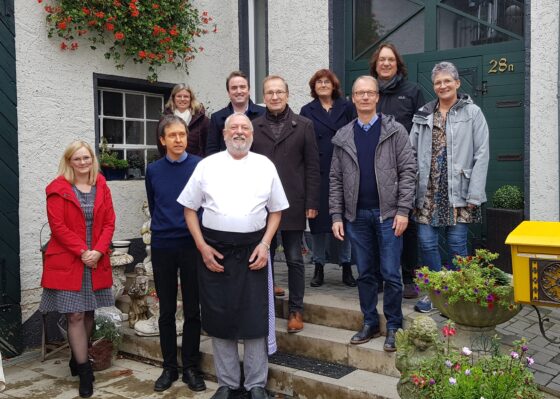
x: 86, y: 299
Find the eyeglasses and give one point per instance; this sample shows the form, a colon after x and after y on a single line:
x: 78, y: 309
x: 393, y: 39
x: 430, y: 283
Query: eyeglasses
x: 86, y: 159
x: 443, y: 83
x: 182, y: 96
x: 278, y: 93
x: 363, y: 93
x: 325, y: 82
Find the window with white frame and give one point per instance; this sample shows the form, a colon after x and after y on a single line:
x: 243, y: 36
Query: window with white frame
x: 128, y: 122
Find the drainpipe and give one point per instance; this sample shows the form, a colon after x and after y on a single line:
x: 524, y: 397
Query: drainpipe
x: 558, y: 100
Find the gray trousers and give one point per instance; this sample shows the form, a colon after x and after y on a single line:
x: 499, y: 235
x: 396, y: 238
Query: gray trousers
x: 255, y: 362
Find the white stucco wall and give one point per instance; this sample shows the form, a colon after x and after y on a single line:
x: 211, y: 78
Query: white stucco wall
x: 544, y: 178
x: 298, y: 44
x: 55, y: 106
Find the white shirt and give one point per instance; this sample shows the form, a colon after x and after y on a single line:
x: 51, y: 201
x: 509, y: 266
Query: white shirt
x: 235, y: 194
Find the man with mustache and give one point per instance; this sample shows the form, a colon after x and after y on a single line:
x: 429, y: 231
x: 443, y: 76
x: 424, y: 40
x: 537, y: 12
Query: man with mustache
x: 242, y: 198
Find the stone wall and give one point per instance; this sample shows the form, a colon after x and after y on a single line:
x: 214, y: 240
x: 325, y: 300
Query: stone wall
x: 544, y: 129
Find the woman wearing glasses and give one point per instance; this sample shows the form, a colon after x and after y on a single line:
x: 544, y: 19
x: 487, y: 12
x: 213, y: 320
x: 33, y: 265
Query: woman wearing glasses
x: 183, y: 103
x: 329, y: 111
x: 451, y: 141
x: 77, y: 276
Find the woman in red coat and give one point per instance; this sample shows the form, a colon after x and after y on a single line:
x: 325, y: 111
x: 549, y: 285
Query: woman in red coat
x: 77, y: 275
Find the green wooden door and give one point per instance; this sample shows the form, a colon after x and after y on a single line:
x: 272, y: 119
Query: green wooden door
x: 483, y: 39
x: 10, y: 290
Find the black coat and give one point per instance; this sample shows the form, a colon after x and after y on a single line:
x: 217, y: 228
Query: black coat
x: 326, y: 124
x: 296, y: 158
x: 215, y: 141
x: 401, y: 99
x: 196, y: 136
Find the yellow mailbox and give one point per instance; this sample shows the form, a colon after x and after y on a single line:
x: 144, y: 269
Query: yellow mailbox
x: 535, y: 256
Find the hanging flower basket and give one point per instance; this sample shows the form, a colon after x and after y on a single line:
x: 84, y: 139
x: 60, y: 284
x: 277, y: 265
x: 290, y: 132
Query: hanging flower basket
x: 153, y: 32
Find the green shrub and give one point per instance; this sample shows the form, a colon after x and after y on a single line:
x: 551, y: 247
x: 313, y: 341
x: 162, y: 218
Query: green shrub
x: 508, y: 197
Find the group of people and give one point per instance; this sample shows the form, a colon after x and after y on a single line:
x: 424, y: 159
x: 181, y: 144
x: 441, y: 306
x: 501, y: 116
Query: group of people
x: 381, y: 173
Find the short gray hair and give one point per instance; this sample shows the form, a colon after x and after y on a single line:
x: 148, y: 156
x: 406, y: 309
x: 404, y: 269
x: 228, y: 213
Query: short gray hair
x: 445, y: 67
x: 365, y: 77
x: 228, y: 120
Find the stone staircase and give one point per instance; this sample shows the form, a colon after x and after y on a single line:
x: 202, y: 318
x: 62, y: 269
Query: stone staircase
x: 332, y: 315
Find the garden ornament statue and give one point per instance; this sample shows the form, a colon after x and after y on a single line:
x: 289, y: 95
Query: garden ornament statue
x: 138, y: 293
x: 146, y: 234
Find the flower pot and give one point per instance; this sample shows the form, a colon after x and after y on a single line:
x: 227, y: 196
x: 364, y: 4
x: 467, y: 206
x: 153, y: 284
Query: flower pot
x: 499, y: 223
x: 472, y: 314
x: 113, y: 174
x: 101, y: 354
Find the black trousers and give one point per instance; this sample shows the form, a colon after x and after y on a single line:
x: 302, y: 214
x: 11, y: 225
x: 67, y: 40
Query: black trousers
x: 166, y: 263
x: 291, y: 241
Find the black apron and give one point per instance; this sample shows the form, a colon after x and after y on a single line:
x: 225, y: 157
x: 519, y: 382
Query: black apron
x: 234, y: 304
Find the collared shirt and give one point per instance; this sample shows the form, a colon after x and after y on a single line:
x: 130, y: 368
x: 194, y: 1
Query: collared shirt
x: 235, y: 194
x: 181, y: 158
x: 367, y: 126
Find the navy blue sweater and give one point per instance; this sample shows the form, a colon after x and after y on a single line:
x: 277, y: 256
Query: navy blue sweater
x: 164, y: 182
x: 366, y: 144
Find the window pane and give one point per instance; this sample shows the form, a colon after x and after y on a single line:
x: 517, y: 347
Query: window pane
x: 112, y: 103
x: 113, y: 131
x: 134, y: 106
x: 455, y: 31
x: 154, y: 107
x: 151, y: 133
x: 373, y: 19
x: 134, y: 132
x: 136, y: 161
x: 153, y: 155
x: 507, y: 14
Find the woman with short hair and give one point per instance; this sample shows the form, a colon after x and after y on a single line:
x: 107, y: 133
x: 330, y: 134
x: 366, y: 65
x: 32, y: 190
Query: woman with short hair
x: 77, y: 276
x: 451, y: 141
x: 329, y: 111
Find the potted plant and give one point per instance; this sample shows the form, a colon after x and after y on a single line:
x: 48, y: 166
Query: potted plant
x: 450, y: 373
x: 135, y: 165
x: 505, y: 215
x: 106, y: 340
x: 113, y: 168
x: 472, y: 292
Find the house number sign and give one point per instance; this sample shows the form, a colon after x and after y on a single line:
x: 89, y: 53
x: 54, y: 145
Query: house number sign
x: 500, y: 66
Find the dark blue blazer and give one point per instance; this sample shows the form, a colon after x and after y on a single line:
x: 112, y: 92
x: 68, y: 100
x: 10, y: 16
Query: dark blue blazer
x: 326, y: 124
x: 215, y: 140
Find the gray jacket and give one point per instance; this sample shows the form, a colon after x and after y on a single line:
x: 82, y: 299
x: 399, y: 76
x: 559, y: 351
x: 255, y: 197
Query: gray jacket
x: 468, y: 151
x: 395, y: 168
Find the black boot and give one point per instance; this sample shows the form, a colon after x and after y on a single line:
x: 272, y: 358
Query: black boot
x: 318, y: 276
x: 86, y: 379
x: 74, y: 366
x: 347, y: 277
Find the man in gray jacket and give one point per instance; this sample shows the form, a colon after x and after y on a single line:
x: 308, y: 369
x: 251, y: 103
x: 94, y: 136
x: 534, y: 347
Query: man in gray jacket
x: 372, y: 181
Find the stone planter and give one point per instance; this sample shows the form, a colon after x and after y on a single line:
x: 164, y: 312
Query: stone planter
x: 473, y: 315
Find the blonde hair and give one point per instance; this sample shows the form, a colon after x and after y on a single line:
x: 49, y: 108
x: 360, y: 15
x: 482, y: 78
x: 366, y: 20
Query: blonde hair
x: 66, y: 170
x: 195, y: 105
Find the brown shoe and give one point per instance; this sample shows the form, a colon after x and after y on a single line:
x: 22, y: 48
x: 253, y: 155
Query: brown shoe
x: 295, y: 322
x: 279, y: 291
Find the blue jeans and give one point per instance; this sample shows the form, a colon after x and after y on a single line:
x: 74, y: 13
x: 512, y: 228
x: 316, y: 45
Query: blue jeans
x: 374, y: 243
x: 320, y: 242
x: 429, y: 243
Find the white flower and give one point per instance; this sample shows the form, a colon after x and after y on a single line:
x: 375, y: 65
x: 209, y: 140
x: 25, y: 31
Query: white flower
x: 514, y: 355
x: 466, y: 351
x: 530, y: 360
x: 452, y: 381
x: 468, y: 372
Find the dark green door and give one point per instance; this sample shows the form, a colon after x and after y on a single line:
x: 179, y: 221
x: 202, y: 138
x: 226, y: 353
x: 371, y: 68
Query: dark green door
x: 10, y: 296
x: 484, y: 39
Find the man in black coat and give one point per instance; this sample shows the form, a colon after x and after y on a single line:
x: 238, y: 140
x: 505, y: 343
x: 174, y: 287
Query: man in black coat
x: 288, y: 140
x: 237, y: 85
x: 401, y: 98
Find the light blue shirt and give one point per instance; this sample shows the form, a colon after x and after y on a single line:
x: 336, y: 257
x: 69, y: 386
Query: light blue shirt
x: 367, y: 126
x: 181, y: 158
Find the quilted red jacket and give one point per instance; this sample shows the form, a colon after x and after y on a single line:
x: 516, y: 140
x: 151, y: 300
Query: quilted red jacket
x: 63, y: 267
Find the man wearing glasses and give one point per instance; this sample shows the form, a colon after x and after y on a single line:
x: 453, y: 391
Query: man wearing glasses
x: 288, y: 140
x: 372, y: 182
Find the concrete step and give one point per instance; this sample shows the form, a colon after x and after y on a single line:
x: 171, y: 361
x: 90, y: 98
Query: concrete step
x: 359, y: 384
x: 333, y: 345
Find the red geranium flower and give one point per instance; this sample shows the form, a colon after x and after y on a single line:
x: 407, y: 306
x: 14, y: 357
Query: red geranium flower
x: 109, y: 27
x: 61, y: 25
x: 119, y: 35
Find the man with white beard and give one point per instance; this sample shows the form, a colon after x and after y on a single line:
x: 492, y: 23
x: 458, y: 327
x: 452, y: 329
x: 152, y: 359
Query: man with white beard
x: 243, y: 199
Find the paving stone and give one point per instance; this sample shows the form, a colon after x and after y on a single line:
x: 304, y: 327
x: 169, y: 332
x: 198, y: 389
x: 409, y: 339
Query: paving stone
x: 542, y: 378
